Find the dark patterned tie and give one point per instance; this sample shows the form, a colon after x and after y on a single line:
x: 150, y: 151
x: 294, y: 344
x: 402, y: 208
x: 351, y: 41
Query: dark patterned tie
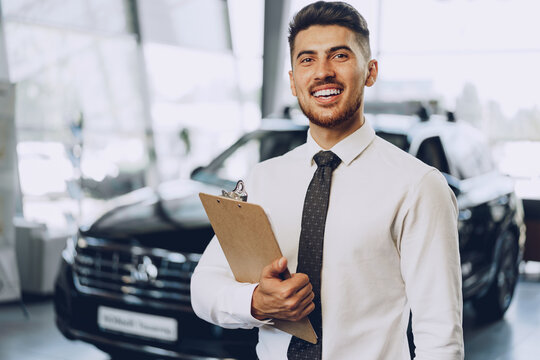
x: 310, y: 249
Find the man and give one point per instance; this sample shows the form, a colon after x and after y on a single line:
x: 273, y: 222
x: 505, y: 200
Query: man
x: 370, y: 230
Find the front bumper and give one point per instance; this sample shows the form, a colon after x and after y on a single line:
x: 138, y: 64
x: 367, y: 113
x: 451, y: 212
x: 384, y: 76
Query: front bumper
x: 76, y: 318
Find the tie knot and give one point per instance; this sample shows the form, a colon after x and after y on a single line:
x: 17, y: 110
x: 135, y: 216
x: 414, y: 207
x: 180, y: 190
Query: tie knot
x: 327, y: 158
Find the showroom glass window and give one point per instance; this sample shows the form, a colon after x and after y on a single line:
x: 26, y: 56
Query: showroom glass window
x: 95, y: 100
x: 79, y: 108
x: 204, y: 63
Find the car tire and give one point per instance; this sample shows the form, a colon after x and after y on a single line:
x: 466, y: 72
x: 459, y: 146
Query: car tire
x: 493, y: 304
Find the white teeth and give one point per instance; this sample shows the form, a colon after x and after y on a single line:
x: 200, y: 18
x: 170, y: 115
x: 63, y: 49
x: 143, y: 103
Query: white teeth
x: 327, y: 92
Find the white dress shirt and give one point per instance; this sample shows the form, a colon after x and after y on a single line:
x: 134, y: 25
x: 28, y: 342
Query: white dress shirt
x: 390, y: 247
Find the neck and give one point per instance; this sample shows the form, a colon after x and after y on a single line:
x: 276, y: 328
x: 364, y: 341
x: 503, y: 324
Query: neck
x: 326, y: 138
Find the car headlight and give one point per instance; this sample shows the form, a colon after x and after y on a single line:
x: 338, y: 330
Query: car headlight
x: 69, y: 251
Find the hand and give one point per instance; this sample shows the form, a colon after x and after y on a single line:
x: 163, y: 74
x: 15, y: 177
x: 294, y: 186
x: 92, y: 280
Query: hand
x: 289, y: 299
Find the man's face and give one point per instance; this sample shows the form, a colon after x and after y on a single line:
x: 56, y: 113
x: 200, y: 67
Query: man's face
x: 329, y: 74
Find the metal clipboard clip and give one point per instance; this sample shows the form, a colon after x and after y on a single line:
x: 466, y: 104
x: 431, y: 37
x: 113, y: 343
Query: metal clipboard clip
x: 239, y: 193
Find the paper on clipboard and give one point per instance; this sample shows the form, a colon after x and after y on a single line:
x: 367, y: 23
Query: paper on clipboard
x: 249, y: 244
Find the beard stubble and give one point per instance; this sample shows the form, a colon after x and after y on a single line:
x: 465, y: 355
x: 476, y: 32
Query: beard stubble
x: 334, y: 120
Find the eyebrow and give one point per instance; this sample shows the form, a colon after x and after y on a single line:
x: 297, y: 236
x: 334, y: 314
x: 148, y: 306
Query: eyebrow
x: 329, y: 51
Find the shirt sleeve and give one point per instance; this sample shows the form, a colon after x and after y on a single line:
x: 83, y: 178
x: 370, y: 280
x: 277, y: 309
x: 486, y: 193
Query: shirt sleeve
x: 431, y: 269
x: 216, y: 296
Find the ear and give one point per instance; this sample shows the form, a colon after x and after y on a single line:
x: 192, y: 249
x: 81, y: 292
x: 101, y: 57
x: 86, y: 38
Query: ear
x: 291, y: 80
x: 373, y: 71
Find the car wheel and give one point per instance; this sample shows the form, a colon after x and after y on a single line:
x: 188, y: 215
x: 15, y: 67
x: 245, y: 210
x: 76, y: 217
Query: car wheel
x: 492, y: 305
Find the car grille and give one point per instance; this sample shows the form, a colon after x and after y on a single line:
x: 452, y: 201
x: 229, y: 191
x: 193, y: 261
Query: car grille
x: 133, y: 273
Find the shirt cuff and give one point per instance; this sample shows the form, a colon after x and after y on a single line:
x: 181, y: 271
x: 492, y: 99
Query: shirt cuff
x: 241, y: 306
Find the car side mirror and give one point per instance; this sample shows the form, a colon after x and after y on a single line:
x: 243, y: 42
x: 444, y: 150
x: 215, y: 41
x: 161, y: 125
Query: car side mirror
x: 454, y: 183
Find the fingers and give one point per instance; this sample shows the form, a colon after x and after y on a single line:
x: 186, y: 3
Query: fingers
x: 302, y: 304
x: 290, y: 299
x: 274, y: 269
x: 305, y: 292
x: 299, y: 280
x: 290, y: 287
x: 307, y: 300
x: 305, y: 312
x: 301, y: 298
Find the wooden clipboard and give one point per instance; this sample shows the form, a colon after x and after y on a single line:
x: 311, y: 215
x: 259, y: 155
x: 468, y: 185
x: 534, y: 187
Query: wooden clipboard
x: 249, y: 244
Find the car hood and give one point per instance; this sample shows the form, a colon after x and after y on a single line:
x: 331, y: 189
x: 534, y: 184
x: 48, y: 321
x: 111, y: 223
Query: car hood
x: 170, y: 206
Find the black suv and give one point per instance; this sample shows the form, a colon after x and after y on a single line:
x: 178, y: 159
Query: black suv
x: 123, y: 284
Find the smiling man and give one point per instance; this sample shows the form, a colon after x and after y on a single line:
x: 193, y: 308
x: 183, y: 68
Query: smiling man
x: 369, y: 231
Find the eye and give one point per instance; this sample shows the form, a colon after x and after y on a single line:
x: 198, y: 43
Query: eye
x: 341, y: 56
x: 306, y: 60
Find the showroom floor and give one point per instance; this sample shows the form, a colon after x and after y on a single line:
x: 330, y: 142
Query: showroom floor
x: 517, y: 337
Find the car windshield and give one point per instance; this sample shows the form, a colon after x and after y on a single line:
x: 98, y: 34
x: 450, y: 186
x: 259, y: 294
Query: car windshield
x: 398, y: 140
x: 237, y: 161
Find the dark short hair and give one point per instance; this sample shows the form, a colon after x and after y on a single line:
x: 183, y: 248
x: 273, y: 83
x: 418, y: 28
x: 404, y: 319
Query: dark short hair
x: 331, y: 13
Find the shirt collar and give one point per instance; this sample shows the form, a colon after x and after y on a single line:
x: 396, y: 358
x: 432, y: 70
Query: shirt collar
x: 347, y: 149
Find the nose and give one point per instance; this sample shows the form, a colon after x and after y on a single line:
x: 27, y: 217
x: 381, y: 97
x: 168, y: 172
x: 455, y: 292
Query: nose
x: 324, y: 70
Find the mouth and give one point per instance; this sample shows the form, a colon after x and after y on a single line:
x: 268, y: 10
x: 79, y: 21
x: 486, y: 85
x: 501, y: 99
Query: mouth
x: 327, y: 94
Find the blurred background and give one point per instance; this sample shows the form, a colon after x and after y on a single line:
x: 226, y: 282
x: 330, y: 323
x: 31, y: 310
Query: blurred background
x: 99, y: 98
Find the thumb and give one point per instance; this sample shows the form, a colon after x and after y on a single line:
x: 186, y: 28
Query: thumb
x: 276, y: 267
